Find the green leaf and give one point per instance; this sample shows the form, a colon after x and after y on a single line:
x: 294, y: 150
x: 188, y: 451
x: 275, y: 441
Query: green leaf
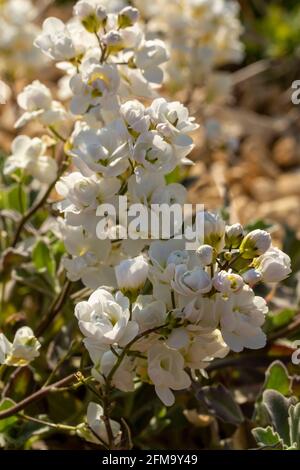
x: 10, y: 259
x: 294, y: 423
x: 21, y: 384
x: 43, y: 258
x: 266, y: 436
x: 277, y: 407
x: 220, y: 403
x: 282, y: 318
x: 14, y: 198
x: 277, y: 378
x: 5, y: 423
x: 257, y: 224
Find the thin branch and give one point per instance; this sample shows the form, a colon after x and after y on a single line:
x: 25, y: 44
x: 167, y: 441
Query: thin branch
x: 38, y: 205
x: 37, y: 396
x: 105, y: 399
x: 54, y: 309
x: 288, y: 330
x: 60, y: 427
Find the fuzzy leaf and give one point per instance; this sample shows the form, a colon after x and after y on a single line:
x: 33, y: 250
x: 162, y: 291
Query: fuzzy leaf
x: 220, y: 403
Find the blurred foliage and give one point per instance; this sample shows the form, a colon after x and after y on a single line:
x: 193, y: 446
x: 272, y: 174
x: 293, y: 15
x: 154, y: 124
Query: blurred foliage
x: 271, y: 28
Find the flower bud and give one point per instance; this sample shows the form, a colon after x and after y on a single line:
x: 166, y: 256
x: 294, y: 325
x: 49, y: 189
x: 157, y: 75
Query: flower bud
x: 214, y: 230
x: 234, y: 235
x: 251, y: 277
x: 83, y: 9
x: 101, y: 14
x: 113, y: 40
x: 205, y: 254
x: 91, y: 18
x: 227, y: 282
x: 132, y: 274
x: 255, y: 243
x: 127, y: 17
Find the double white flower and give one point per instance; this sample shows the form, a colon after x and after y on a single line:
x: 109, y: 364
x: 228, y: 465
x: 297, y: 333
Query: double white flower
x: 24, y: 348
x: 106, y: 318
x: 29, y: 155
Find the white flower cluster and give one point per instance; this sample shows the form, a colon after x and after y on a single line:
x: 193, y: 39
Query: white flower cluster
x: 202, y: 35
x: 24, y: 348
x: 158, y: 313
x: 17, y: 33
x: 199, y: 306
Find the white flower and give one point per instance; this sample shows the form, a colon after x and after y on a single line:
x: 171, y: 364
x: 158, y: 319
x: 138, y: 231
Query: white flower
x: 124, y: 375
x: 241, y: 316
x: 255, y: 243
x: 132, y: 274
x: 28, y: 155
x: 36, y: 101
x: 22, y: 350
x: 4, y: 92
x: 56, y: 41
x: 80, y: 192
x: 96, y: 423
x: 127, y: 17
x: 214, y: 230
x: 144, y: 186
x: 34, y: 97
x: 148, y: 312
x: 173, y: 122
x: 19, y: 11
x: 227, y: 282
x: 165, y: 256
x: 105, y: 318
x: 102, y: 151
x: 205, y: 254
x: 204, y: 348
x: 96, y: 84
x: 148, y: 58
x: 274, y: 265
x: 154, y: 153
x: 166, y: 371
x: 189, y: 283
x: 201, y: 312
x: 134, y: 114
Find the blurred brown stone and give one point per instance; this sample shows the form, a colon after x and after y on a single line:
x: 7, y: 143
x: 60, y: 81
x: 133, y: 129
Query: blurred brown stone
x: 286, y: 152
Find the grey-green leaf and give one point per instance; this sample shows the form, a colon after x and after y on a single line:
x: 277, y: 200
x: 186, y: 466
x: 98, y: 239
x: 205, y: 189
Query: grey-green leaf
x: 277, y: 407
x: 267, y: 436
x: 220, y: 402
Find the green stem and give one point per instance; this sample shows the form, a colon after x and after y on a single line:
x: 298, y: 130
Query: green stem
x: 57, y: 134
x: 3, y: 285
x: 60, y: 427
x: 2, y: 369
x: 56, y: 387
x: 20, y: 198
x: 105, y: 399
x: 55, y: 308
x: 70, y: 351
